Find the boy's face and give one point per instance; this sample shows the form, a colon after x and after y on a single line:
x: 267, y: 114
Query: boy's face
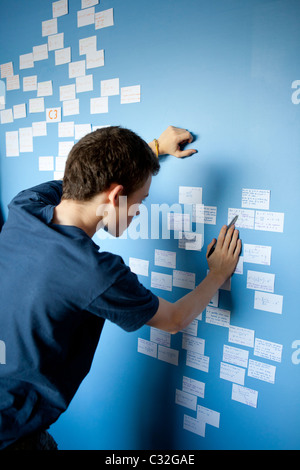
x: 120, y: 215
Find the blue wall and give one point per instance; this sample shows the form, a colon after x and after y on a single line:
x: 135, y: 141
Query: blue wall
x: 223, y: 69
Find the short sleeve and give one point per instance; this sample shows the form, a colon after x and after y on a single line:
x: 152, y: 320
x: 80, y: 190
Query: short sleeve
x: 126, y: 302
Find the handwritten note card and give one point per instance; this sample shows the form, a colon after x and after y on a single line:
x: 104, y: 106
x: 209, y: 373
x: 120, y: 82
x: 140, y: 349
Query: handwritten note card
x: 193, y: 386
x: 269, y: 221
x: 232, y: 373
x: 242, y: 336
x: 217, y: 316
x: 190, y: 195
x: 184, y: 279
x: 256, y: 199
x: 161, y: 281
x: 244, y: 395
x: 236, y: 356
x: 165, y: 258
x: 245, y: 217
x: 257, y: 254
x: 261, y: 371
x: 268, y: 302
x: 260, y: 281
x: 268, y: 350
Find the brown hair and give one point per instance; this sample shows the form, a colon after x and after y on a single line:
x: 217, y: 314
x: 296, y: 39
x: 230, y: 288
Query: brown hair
x: 105, y: 156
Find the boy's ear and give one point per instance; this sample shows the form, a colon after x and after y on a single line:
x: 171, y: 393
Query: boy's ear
x: 114, y: 192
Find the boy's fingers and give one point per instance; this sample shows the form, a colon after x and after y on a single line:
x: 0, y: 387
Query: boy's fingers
x: 233, y: 242
x: 221, y: 236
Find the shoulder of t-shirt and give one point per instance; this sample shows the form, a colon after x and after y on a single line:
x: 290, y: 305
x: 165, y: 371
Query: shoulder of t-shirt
x: 47, y: 193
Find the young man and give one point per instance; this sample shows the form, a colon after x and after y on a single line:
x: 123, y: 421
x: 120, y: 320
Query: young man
x: 57, y: 288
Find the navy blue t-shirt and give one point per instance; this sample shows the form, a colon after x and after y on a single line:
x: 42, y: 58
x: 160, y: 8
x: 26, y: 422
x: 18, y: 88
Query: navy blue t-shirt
x: 56, y: 291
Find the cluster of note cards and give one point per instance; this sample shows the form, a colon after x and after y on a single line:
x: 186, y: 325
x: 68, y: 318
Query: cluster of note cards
x: 246, y: 359
x: 81, y: 79
x: 158, y: 347
x: 255, y: 213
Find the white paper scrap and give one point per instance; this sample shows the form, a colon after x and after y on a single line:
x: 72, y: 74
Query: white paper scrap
x: 12, y: 144
x: 244, y: 395
x: 256, y: 199
x: 261, y: 371
x: 268, y: 302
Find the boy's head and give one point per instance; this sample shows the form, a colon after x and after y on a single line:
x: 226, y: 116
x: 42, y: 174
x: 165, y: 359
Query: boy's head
x: 105, y: 156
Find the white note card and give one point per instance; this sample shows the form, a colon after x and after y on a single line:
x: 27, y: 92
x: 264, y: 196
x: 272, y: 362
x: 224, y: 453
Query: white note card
x: 49, y: 27
x: 190, y: 195
x: 139, y: 266
x: 193, y: 343
x: 257, y: 254
x: 261, y: 371
x: 217, y: 316
x: 67, y: 92
x: 105, y: 18
x: 236, y: 356
x: 195, y: 387
x: 46, y: 164
x: 161, y: 281
x: 197, y: 361
x: 19, y: 111
x: 85, y: 17
x: 269, y: 221
x: 13, y: 83
x: 179, y: 222
x: 66, y: 129
x: 81, y: 130
x: 39, y: 128
x: 63, y: 56
x: 194, y: 425
x: 232, y: 373
x: 40, y: 52
x: 99, y: 105
x: 55, y: 41
x: 25, y: 139
x: 160, y: 337
x: 36, y: 105
x: 167, y: 355
x: 88, y: 44
x: 26, y: 61
x: 44, y: 88
x: 30, y: 83
x: 268, y: 350
x: 77, y: 69
x: 260, y: 281
x: 256, y: 199
x: 165, y: 258
x: 242, y: 336
x: 71, y: 107
x: 110, y: 87
x: 245, y: 217
x: 186, y: 399
x: 244, y: 395
x: 84, y: 84
x: 6, y: 116
x: 12, y: 144
x: 131, y: 94
x: 268, y: 302
x: 184, y: 279
x: 59, y: 8
x: 94, y: 59
x: 208, y: 416
x: 147, y: 347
